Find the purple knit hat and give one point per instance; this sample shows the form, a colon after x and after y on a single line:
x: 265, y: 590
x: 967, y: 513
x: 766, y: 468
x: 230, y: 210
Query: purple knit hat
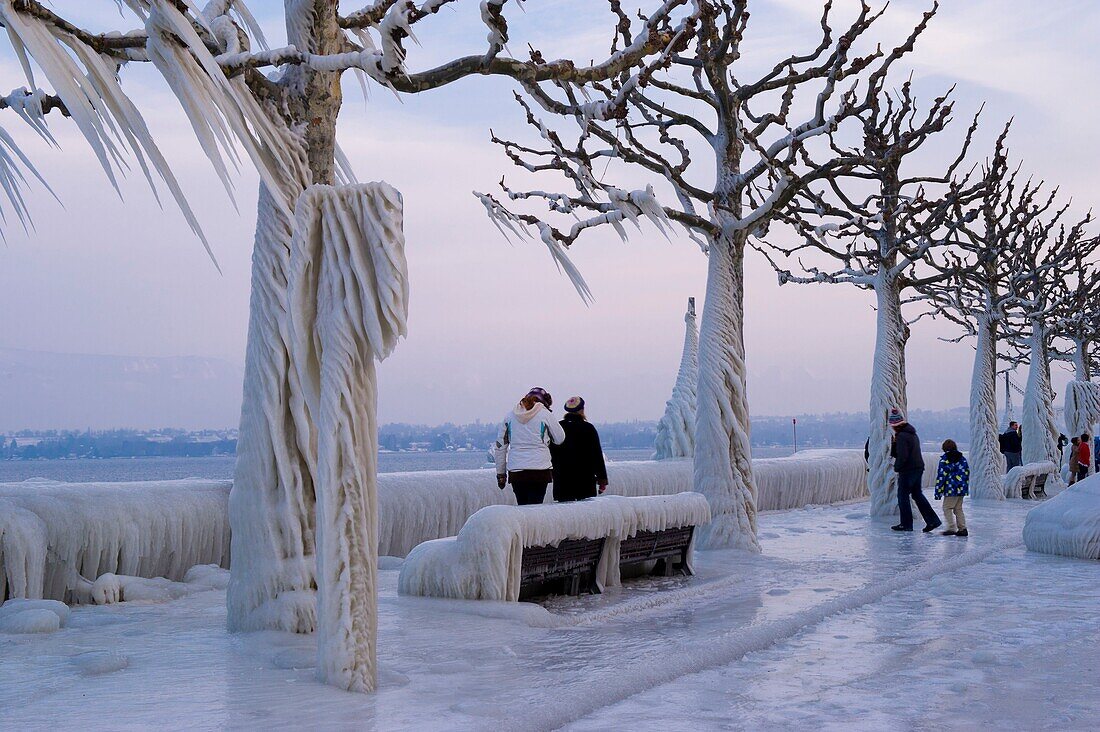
x: 574, y: 404
x: 896, y: 418
x: 541, y: 395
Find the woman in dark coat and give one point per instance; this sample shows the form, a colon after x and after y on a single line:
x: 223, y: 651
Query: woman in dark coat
x: 579, y: 470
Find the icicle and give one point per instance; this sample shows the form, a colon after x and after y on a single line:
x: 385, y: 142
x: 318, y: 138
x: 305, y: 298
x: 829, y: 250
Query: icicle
x: 102, y: 112
x: 12, y: 179
x: 220, y: 110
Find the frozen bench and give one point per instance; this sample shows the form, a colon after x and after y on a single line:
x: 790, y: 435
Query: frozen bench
x: 578, y: 544
x: 1029, y: 481
x: 570, y: 567
x: 668, y: 549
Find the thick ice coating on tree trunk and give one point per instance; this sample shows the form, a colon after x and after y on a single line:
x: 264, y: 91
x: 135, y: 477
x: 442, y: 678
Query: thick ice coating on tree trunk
x: 1040, y: 433
x: 887, y: 392
x: 676, y: 430
x: 723, y: 462
x: 271, y: 505
x: 987, y: 464
x: 1082, y: 409
x: 348, y: 297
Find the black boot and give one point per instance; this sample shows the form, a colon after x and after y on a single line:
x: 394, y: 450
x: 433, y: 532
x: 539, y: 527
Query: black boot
x: 932, y: 527
x: 962, y: 532
x: 899, y: 527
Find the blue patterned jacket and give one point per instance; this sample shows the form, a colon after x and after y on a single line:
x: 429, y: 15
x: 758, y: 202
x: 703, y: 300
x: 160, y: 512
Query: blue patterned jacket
x: 952, y: 475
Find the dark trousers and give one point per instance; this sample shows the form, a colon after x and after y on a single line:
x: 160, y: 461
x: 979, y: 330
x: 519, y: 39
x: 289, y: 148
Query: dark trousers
x: 564, y: 491
x: 1014, y: 459
x: 909, y: 486
x: 529, y: 486
x: 1082, y: 471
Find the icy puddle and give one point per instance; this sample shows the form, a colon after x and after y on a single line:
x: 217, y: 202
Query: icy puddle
x: 840, y: 623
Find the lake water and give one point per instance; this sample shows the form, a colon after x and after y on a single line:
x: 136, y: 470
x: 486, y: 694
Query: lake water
x: 221, y: 468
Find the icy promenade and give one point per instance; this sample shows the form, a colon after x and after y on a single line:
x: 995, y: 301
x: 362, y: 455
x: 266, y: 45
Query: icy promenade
x: 840, y: 623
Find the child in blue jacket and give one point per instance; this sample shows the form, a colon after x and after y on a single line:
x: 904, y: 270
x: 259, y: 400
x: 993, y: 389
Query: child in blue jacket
x: 952, y: 483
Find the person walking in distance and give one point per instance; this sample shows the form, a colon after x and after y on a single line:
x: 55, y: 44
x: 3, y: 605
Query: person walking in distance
x: 1084, y: 457
x: 909, y: 465
x: 579, y: 470
x: 522, y: 450
x: 1012, y: 445
x: 952, y: 485
x: 1074, y: 452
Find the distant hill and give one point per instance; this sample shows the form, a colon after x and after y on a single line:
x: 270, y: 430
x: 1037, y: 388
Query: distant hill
x: 40, y: 390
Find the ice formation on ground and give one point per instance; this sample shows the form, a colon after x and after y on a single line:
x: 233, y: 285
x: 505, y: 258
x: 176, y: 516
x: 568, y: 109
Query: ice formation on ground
x: 1069, y: 523
x: 95, y: 663
x: 349, y: 293
x: 483, y: 562
x: 676, y: 430
x: 56, y: 536
x: 1014, y: 479
x: 33, y: 616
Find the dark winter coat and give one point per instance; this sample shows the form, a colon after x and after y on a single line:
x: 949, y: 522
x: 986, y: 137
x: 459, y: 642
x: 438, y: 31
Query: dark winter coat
x: 906, y: 450
x: 578, y: 461
x: 1011, y: 441
x: 952, y: 475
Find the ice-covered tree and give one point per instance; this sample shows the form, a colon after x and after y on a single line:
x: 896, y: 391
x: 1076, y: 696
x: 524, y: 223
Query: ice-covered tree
x: 1079, y: 320
x: 1046, y: 256
x: 1079, y: 326
x: 873, y: 227
x: 676, y: 430
x: 691, y: 140
x: 307, y: 436
x: 979, y: 293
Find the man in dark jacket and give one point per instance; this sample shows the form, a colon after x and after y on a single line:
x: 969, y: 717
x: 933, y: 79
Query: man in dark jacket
x: 1012, y: 445
x: 579, y: 470
x: 909, y: 465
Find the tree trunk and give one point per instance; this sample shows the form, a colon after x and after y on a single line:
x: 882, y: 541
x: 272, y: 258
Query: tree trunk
x: 887, y: 392
x: 723, y: 460
x: 1081, y: 359
x: 1040, y: 433
x: 676, y: 430
x: 987, y: 464
x: 271, y: 507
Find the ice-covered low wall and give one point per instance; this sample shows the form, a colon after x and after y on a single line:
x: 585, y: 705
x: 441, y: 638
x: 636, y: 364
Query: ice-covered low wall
x: 50, y: 533
x: 416, y: 507
x: 150, y: 529
x: 484, y: 561
x: 1069, y: 523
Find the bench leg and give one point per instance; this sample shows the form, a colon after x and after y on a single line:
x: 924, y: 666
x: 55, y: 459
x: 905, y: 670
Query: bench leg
x: 684, y: 568
x: 573, y: 585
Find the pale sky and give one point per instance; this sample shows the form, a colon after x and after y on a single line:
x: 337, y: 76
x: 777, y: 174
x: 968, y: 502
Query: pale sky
x: 489, y: 319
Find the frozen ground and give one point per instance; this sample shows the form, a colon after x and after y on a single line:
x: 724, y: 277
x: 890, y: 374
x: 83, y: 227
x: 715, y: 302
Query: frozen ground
x: 840, y: 623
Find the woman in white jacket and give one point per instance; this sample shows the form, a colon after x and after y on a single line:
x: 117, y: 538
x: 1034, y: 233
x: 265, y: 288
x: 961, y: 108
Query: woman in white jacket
x: 522, y: 449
